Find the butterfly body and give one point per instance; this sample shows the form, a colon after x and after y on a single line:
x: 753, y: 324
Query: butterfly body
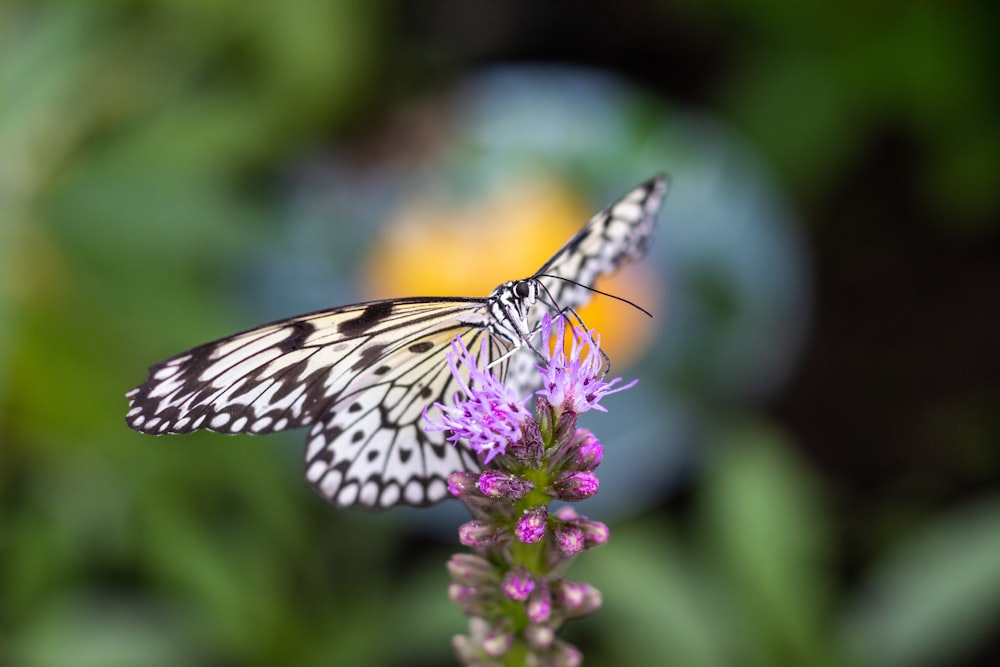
x: 361, y: 375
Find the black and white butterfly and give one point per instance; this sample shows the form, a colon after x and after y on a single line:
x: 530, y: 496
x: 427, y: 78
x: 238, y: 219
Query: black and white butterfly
x: 360, y: 376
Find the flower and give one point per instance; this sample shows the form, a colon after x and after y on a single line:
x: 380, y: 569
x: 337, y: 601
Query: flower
x: 512, y: 585
x: 490, y: 417
x: 571, y: 485
x: 497, y: 484
x: 531, y: 526
x: 518, y: 584
x: 575, y: 382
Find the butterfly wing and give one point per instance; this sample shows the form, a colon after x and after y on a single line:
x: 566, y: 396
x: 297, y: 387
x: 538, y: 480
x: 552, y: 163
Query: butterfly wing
x: 617, y: 235
x: 360, y: 375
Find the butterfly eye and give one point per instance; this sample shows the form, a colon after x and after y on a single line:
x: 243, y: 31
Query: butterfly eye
x: 521, y: 289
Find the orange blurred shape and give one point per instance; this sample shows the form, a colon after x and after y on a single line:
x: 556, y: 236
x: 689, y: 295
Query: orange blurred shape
x: 436, y: 248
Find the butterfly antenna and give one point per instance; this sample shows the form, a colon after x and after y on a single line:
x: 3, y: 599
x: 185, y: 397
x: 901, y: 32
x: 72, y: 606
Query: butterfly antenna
x: 597, y: 291
x: 565, y: 312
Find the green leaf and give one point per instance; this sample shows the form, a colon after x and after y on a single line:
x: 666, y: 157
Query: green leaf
x: 766, y: 531
x: 935, y: 596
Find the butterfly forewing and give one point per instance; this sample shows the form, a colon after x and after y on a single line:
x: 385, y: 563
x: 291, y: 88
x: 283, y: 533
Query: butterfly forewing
x: 617, y: 235
x: 283, y: 375
x: 362, y: 375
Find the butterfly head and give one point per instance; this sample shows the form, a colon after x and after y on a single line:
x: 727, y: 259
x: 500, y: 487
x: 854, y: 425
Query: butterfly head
x: 510, y: 305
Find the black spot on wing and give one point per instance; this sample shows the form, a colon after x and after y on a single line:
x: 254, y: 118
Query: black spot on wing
x: 368, y: 356
x: 242, y: 387
x: 325, y: 455
x: 420, y: 348
x: 300, y: 333
x: 371, y: 316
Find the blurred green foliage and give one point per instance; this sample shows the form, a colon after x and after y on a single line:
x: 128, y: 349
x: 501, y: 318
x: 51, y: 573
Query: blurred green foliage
x: 752, y: 580
x: 137, y: 144
x: 812, y: 83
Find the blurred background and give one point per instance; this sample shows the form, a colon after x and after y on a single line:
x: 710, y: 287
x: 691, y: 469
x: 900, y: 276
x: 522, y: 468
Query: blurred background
x: 809, y: 470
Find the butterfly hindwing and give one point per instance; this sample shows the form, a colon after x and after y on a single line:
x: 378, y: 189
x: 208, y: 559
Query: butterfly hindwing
x: 370, y: 450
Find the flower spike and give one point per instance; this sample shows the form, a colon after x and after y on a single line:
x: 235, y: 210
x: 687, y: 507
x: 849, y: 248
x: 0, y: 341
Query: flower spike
x: 511, y: 585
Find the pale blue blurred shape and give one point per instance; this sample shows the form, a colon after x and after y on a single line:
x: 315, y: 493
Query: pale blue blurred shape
x: 727, y: 229
x: 556, y: 115
x: 733, y: 261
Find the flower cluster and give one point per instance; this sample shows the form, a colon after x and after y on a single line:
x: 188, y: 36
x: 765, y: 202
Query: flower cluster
x: 490, y: 415
x: 511, y: 585
x: 575, y: 381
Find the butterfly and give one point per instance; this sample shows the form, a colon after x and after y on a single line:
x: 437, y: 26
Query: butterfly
x: 360, y: 376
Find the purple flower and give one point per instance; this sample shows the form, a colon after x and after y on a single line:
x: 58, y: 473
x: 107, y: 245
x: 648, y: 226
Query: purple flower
x: 497, y: 641
x: 572, y: 486
x: 568, y: 539
x: 530, y: 527
x: 500, y: 484
x: 594, y: 533
x: 462, y: 483
x: 577, y: 599
x: 539, y: 607
x: 477, y: 533
x: 575, y: 382
x: 564, y: 655
x: 490, y: 415
x: 517, y: 584
x: 586, y: 453
x: 471, y: 570
x: 539, y: 637
x: 468, y: 598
